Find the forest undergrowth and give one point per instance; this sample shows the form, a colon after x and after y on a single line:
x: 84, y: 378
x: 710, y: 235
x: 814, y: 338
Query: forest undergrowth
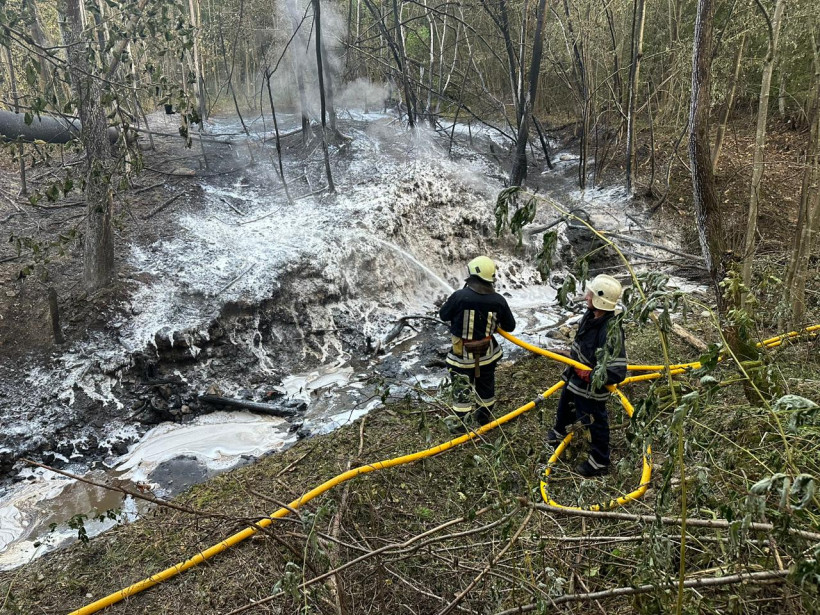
x: 467, y: 531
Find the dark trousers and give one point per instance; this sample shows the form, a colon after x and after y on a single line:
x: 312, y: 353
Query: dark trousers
x: 481, y: 393
x: 592, y: 414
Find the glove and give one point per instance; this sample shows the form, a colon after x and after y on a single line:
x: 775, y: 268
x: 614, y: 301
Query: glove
x: 583, y: 374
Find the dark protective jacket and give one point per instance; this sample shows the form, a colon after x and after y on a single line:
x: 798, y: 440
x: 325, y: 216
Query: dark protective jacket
x: 474, y: 313
x: 594, y: 334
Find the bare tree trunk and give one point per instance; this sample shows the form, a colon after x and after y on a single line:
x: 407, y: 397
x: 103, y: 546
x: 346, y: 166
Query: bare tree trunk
x: 582, y: 86
x: 194, y: 11
x: 276, y: 133
x: 229, y: 70
x: 297, y: 71
x: 327, y: 74
x: 522, y: 40
x: 760, y: 139
x: 544, y: 141
x: 410, y: 98
x: 101, y: 18
x: 519, y: 168
x: 428, y: 108
x: 730, y: 101
x: 32, y: 15
x: 616, y: 72
x: 15, y: 97
x: 98, y: 256
x: 442, y: 40
x: 807, y: 231
x: 502, y: 22
x: 808, y: 217
x: 707, y: 206
x: 119, y: 47
x: 317, y: 22
x: 398, y: 56
x: 638, y: 21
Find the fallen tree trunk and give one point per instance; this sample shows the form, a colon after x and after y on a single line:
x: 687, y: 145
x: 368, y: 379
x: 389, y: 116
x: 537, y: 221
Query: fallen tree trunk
x: 47, y: 128
x: 253, y: 406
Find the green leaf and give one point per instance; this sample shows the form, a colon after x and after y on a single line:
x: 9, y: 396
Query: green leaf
x: 31, y: 74
x: 567, y: 288
x: 582, y: 269
x: 543, y: 259
x: 502, y: 208
x: 53, y: 192
x: 522, y: 217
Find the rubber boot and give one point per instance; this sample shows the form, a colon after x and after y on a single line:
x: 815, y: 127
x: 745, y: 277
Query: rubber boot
x: 458, y: 424
x: 483, y: 416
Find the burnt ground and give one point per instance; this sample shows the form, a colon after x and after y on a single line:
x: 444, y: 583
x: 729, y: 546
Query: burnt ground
x: 154, y: 393
x: 44, y: 252
x: 52, y: 430
x: 47, y: 260
x: 460, y: 501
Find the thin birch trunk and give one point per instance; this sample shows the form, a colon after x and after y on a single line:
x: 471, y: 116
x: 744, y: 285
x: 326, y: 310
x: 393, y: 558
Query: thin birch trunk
x: 297, y: 71
x: 727, y: 109
x: 193, y: 7
x: 410, y: 98
x: 431, y: 118
x: 519, y: 169
x: 638, y: 21
x: 808, y: 218
x: 268, y: 75
x: 32, y: 15
x: 317, y: 22
x: 15, y: 98
x: 760, y: 140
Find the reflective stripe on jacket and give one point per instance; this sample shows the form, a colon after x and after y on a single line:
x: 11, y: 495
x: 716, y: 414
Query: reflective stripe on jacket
x: 475, y: 312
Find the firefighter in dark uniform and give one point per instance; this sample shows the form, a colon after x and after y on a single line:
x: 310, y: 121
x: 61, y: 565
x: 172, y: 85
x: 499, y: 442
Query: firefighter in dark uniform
x: 474, y: 313
x: 580, y: 400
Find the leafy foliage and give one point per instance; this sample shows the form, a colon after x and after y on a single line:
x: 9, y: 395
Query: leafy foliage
x: 544, y: 258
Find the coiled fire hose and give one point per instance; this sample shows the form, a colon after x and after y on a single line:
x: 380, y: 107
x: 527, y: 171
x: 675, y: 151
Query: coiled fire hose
x: 430, y: 452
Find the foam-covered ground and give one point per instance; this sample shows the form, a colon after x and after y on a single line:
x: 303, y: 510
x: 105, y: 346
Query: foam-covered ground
x: 294, y: 291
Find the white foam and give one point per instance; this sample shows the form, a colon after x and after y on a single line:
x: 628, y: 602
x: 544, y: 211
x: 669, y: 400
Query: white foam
x: 217, y: 440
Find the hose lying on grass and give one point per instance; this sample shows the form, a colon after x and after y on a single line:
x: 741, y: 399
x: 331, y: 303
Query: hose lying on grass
x: 430, y: 452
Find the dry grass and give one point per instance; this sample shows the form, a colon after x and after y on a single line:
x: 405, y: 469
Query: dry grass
x: 729, y: 446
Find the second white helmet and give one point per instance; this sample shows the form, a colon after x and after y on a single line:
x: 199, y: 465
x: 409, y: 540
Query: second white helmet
x: 606, y: 291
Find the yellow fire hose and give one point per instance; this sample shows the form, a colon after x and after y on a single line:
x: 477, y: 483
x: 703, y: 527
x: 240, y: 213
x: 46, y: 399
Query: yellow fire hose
x: 658, y: 370
x: 430, y: 452
x: 304, y: 499
x: 646, y: 473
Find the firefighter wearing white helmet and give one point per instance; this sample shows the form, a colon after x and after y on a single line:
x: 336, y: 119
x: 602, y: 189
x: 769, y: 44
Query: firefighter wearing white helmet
x: 474, y: 313
x: 600, y: 337
x: 606, y: 291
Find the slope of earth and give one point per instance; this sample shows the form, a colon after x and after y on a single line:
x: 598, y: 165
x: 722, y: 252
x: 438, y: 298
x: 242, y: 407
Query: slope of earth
x: 459, y: 531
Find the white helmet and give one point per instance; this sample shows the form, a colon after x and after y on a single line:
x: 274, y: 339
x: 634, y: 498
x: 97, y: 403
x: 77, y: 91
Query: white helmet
x: 483, y: 267
x: 605, y: 290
